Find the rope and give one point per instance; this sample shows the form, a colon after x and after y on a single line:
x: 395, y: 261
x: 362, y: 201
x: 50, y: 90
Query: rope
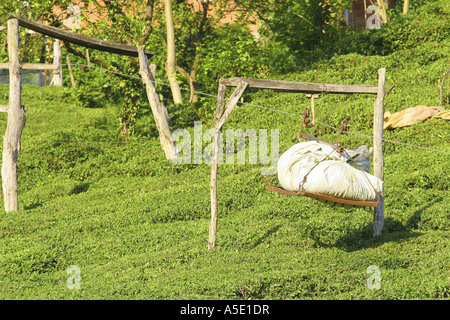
x: 270, y: 109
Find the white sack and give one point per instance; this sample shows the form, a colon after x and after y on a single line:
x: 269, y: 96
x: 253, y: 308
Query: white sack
x: 332, y: 177
x: 360, y: 158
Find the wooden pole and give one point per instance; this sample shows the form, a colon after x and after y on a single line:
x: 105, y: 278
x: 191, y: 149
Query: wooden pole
x: 159, y: 110
x: 222, y: 113
x: 221, y: 95
x: 72, y: 79
x: 213, y: 190
x: 214, y: 167
x: 441, y: 86
x: 313, y: 104
x: 57, y: 74
x: 365, y: 12
x: 153, y: 72
x: 299, y: 87
x: 171, y: 58
x: 78, y: 39
x: 405, y: 6
x: 378, y: 161
x: 15, y: 123
x: 88, y: 59
x: 32, y: 66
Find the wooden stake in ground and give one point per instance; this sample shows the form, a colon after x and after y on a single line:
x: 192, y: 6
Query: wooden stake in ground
x: 159, y: 110
x: 222, y: 113
x: 72, y: 79
x: 16, y: 121
x: 441, y: 86
x: 57, y: 79
x: 88, y: 59
x: 378, y: 161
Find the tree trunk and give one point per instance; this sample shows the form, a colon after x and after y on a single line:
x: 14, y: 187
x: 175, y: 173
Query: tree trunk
x: 149, y: 18
x: 171, y: 60
x: 405, y: 6
x: 383, y: 12
x: 390, y: 4
x: 193, y: 77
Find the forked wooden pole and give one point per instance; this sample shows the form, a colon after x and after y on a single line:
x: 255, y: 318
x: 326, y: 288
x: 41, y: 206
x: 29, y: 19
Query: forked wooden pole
x: 214, y: 166
x: 159, y: 110
x: 378, y: 161
x: 222, y: 113
x: 16, y: 121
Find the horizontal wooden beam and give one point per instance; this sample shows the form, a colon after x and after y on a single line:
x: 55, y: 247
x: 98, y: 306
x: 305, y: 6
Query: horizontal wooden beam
x: 78, y: 39
x: 301, y: 87
x: 39, y: 66
x: 326, y: 197
x: 32, y: 66
x: 3, y: 108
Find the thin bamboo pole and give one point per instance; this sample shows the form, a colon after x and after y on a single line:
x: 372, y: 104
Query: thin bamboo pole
x: 378, y: 161
x: 72, y: 79
x: 222, y: 113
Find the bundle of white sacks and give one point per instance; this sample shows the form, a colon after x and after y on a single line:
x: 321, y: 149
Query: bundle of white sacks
x: 339, y: 177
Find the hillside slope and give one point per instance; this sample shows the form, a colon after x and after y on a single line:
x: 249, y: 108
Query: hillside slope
x: 136, y: 225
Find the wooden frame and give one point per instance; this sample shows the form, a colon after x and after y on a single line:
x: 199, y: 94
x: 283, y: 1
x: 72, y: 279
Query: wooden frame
x: 159, y: 110
x: 78, y: 39
x: 223, y: 111
x: 32, y: 66
x: 324, y: 197
x: 16, y: 112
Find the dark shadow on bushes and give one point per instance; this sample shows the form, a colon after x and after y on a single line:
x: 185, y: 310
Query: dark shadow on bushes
x: 33, y: 206
x: 266, y: 235
x: 80, y: 188
x: 362, y: 238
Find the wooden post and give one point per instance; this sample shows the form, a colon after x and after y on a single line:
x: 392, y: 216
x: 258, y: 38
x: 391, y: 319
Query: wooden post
x: 72, y: 79
x: 378, y: 161
x: 405, y: 6
x: 77, y: 38
x: 88, y: 59
x: 313, y: 113
x: 57, y: 74
x: 159, y: 110
x: 441, y: 86
x: 221, y: 95
x: 16, y: 121
x: 222, y: 113
x: 153, y: 72
x: 214, y: 166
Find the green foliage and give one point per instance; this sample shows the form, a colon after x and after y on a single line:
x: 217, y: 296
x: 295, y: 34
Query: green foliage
x: 230, y: 51
x: 32, y: 46
x: 291, y: 30
x: 137, y: 225
x: 428, y: 23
